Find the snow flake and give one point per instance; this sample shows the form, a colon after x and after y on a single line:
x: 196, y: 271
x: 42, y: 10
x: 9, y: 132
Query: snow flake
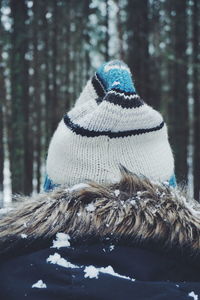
x: 117, y: 192
x: 111, y: 248
x: 157, y: 206
x: 133, y: 202
x: 115, y: 83
x: 109, y: 270
x: 90, y: 207
x: 79, y: 214
x: 56, y: 259
x: 138, y: 196
x: 93, y: 272
x: 62, y: 240
x: 166, y: 183
x: 163, y: 195
x: 39, y: 285
x: 192, y: 294
x: 157, y: 191
x: 23, y: 236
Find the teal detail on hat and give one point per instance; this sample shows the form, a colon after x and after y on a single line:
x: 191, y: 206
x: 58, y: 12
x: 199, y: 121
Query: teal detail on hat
x: 172, y: 181
x: 48, y: 184
x: 116, y: 75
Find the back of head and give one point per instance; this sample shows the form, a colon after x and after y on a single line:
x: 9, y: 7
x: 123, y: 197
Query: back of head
x: 109, y: 125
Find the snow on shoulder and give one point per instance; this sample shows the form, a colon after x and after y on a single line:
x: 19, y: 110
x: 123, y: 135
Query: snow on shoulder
x: 24, y: 236
x: 77, y: 187
x: 117, y: 192
x: 93, y: 272
x: 62, y: 240
x: 193, y: 295
x: 90, y: 207
x: 39, y: 285
x: 56, y: 259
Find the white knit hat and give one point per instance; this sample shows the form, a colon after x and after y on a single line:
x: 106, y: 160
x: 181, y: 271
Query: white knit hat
x: 109, y: 126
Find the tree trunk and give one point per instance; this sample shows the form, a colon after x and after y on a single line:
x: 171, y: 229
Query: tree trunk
x: 46, y: 80
x: 37, y: 93
x: 107, y: 31
x: 138, y: 43
x: 2, y: 99
x: 67, y: 66
x: 120, y: 29
x: 155, y: 59
x: 179, y: 102
x: 54, y: 108
x: 196, y: 89
x: 21, y: 142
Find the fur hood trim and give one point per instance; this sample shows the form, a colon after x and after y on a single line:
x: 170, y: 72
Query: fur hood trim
x: 134, y: 209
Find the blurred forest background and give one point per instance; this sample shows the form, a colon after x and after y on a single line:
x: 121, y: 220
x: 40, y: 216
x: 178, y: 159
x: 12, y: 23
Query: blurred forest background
x: 49, y: 49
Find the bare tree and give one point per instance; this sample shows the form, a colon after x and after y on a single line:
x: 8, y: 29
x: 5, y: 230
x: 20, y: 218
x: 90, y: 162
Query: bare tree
x: 138, y: 43
x: 196, y: 88
x: 179, y: 95
x: 2, y: 100
x: 21, y: 141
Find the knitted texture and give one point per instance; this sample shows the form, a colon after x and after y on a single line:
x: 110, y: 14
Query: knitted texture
x: 109, y: 126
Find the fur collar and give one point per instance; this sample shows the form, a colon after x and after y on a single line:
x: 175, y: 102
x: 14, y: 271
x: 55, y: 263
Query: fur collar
x: 135, y: 210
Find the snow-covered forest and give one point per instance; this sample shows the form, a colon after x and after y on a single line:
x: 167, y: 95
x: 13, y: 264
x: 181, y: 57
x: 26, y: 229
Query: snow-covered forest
x: 50, y: 48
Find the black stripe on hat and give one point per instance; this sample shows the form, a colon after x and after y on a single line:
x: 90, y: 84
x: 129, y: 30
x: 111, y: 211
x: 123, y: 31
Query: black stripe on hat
x: 115, y: 96
x: 124, y: 92
x: 125, y: 101
x: 92, y: 133
x: 98, y: 86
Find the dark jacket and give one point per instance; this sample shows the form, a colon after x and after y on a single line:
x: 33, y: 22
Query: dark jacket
x: 132, y: 240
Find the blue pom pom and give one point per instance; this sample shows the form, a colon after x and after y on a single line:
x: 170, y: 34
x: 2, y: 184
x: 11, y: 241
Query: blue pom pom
x: 116, y: 75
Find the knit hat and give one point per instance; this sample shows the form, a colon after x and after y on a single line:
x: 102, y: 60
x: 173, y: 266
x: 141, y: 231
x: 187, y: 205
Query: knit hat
x: 110, y: 125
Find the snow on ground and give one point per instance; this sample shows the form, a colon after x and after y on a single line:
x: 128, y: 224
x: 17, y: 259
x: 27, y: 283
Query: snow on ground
x: 193, y: 295
x: 93, y: 272
x: 62, y: 240
x: 39, y: 285
x: 56, y: 259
